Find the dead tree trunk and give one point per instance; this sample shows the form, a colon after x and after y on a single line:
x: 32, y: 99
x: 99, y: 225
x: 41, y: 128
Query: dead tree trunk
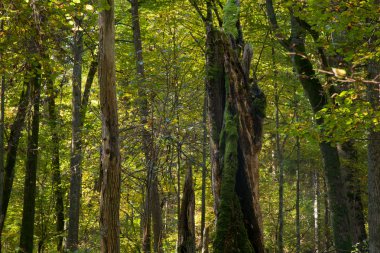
x: 235, y: 130
x: 186, y: 243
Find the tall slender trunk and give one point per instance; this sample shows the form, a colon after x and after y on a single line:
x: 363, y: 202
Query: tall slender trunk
x: 327, y: 223
x: 76, y: 141
x: 298, y: 222
x: 316, y: 211
x: 145, y: 136
x: 28, y: 213
x: 152, y: 202
x: 55, y: 163
x: 110, y: 189
x: 279, y: 164
x: 186, y: 243
x: 373, y: 91
x: 204, y: 169
x: 2, y: 110
x: 2, y: 172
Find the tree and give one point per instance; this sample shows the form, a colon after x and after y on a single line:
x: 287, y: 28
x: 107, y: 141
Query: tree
x: 236, y: 115
x: 110, y: 189
x: 318, y: 99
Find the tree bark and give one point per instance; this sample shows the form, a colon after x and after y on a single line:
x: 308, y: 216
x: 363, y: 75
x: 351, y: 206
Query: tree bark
x: 55, y: 163
x: 222, y: 65
x: 28, y: 213
x: 76, y: 141
x: 186, y: 243
x: 373, y: 91
x: 110, y: 190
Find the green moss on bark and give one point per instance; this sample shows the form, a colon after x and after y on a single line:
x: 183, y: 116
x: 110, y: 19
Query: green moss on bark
x: 231, y: 235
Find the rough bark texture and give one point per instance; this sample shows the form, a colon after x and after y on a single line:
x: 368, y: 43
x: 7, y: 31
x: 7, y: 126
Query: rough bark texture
x: 222, y: 64
x: 318, y: 99
x: 110, y: 189
x: 27, y: 226
x: 55, y: 164
x: 231, y: 235
x: 374, y: 165
x: 186, y: 243
x: 76, y: 142
x: 215, y: 87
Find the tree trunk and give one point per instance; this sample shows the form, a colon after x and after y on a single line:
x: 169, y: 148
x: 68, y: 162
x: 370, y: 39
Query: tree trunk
x: 236, y: 132
x: 374, y: 164
x: 55, y: 163
x: 204, y: 169
x: 27, y: 226
x: 348, y: 156
x: 152, y: 203
x: 186, y: 243
x: 76, y: 141
x: 205, y: 241
x: 2, y: 111
x: 2, y: 172
x: 156, y: 215
x: 298, y: 222
x: 316, y: 211
x: 280, y: 167
x: 110, y: 190
x: 13, y: 141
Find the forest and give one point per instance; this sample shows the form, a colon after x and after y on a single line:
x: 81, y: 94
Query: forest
x: 210, y: 126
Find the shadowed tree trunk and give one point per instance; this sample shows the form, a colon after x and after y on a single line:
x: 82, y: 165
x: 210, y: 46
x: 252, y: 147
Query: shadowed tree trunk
x: 110, y: 189
x: 373, y: 91
x: 76, y: 140
x: 186, y: 243
x: 2, y: 111
x: 55, y: 163
x: 28, y: 213
x: 2, y: 172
